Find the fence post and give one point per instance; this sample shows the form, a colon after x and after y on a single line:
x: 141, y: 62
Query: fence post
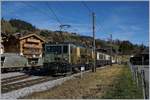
x: 134, y: 73
x: 143, y: 84
x: 132, y: 70
x: 137, y: 79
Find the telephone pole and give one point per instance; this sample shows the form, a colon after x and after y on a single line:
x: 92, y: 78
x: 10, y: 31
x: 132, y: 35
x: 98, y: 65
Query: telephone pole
x: 111, y: 50
x: 93, y: 21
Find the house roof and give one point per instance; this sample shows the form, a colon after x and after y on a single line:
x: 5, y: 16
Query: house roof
x: 29, y: 35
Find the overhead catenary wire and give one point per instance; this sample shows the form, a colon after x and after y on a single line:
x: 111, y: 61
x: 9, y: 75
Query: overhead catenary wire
x: 53, y: 12
x: 90, y: 11
x: 99, y: 28
x: 87, y: 7
x: 45, y: 12
x: 39, y: 10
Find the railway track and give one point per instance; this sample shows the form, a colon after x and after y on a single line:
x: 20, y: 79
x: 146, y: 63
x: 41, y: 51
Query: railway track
x: 15, y: 86
x: 13, y: 79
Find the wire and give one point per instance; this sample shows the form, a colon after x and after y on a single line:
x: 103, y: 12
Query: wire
x: 38, y: 10
x: 91, y: 12
x: 53, y: 12
x: 99, y: 28
x: 86, y: 6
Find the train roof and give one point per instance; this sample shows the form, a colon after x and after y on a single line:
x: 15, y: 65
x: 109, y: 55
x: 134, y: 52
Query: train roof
x: 144, y: 53
x: 103, y: 50
x: 63, y: 43
x: 10, y: 54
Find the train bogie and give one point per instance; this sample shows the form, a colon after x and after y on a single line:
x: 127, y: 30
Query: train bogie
x: 58, y: 68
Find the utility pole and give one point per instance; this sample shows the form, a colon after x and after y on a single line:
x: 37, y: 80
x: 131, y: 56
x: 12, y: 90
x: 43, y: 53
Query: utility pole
x: 93, y: 21
x: 111, y: 50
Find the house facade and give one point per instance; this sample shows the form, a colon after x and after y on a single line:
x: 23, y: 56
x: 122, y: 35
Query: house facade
x: 31, y: 46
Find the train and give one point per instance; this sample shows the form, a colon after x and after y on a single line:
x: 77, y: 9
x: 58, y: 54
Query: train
x: 58, y: 58
x: 140, y: 59
x: 17, y: 62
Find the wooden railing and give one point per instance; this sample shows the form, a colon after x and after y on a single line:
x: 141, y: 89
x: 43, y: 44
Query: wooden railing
x: 32, y: 46
x: 33, y: 40
x: 30, y: 52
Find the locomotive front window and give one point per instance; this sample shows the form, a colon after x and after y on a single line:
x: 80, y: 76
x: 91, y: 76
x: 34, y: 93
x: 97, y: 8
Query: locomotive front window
x: 65, y: 49
x: 54, y: 49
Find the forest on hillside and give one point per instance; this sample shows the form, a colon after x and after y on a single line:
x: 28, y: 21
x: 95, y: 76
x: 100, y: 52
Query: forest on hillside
x: 13, y: 26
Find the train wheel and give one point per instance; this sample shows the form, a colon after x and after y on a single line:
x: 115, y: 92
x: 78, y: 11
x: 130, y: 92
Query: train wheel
x: 25, y: 69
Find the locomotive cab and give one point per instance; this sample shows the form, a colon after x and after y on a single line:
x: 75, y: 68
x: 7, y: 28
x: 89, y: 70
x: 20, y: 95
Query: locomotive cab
x: 66, y: 57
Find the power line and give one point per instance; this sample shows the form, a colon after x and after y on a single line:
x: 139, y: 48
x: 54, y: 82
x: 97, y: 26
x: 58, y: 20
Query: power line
x: 38, y: 10
x: 53, y: 12
x: 87, y: 7
x: 99, y: 28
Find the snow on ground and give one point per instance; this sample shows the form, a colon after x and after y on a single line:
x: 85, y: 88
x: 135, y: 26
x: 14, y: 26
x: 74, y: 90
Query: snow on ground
x: 11, y: 74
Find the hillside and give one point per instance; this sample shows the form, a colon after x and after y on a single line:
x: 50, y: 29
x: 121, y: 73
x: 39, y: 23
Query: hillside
x: 13, y: 26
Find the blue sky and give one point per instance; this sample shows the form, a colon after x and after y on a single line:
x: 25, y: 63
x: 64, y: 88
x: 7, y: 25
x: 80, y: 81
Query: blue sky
x: 124, y: 20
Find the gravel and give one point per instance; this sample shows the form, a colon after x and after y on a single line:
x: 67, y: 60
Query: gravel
x: 26, y: 79
x: 36, y: 88
x: 11, y: 74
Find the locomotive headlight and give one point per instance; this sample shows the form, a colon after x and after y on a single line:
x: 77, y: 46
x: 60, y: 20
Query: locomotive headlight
x: 34, y: 56
x: 40, y: 55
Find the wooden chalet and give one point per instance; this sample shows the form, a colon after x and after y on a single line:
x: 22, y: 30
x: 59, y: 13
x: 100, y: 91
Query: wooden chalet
x: 29, y: 45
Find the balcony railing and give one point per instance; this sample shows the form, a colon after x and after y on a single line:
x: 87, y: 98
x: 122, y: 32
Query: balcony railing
x: 30, y: 52
x: 33, y: 40
x: 32, y: 46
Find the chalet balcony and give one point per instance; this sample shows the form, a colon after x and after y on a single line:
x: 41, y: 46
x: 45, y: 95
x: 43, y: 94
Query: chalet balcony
x: 31, y: 52
x: 31, y: 56
x: 32, y: 46
x: 33, y: 40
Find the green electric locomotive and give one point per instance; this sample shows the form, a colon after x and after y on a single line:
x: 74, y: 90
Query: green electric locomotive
x: 63, y: 58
